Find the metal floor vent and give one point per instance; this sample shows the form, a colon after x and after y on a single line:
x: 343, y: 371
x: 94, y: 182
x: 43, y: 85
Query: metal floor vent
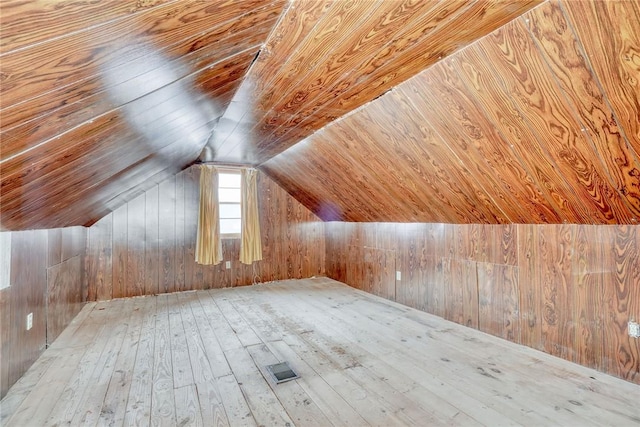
x: 282, y: 372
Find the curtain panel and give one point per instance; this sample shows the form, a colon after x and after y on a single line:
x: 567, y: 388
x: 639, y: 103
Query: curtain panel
x: 251, y: 241
x: 208, y: 242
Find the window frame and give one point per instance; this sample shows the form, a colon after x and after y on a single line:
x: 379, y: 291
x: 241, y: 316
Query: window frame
x: 229, y: 171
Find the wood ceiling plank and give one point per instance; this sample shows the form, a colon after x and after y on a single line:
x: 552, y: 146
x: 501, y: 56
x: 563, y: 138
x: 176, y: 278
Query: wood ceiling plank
x: 498, y: 106
x: 79, y: 56
x: 371, y: 161
x: 59, y: 120
x: 461, y: 151
x: 365, y: 173
x: 610, y: 36
x: 371, y: 35
x: 328, y: 31
x: 100, y: 153
x: 323, y: 206
x: 341, y: 20
x: 516, y: 62
x: 296, y: 24
x: 26, y: 22
x: 389, y: 67
x: 221, y: 37
x: 466, y: 122
x: 59, y: 207
x: 562, y: 52
x: 451, y: 180
x: 412, y: 183
x: 421, y: 25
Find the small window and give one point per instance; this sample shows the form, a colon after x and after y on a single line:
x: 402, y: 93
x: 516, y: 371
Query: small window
x: 229, y: 196
x: 5, y: 259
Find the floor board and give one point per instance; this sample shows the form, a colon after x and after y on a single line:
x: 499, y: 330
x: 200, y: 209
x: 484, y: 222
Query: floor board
x: 198, y: 358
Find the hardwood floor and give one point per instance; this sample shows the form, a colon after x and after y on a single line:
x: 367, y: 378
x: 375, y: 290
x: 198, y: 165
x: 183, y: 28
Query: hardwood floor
x: 198, y: 358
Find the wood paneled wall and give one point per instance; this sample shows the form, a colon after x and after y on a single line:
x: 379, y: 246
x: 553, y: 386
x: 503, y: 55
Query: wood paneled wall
x: 148, y: 245
x: 568, y: 290
x: 46, y: 280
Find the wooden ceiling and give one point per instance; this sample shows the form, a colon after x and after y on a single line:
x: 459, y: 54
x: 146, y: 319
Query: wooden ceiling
x: 445, y: 114
x: 538, y: 122
x: 102, y: 99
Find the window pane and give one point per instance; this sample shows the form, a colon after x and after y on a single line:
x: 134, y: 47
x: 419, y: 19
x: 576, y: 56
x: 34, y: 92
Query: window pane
x: 229, y: 195
x: 229, y: 180
x: 230, y: 226
x: 229, y: 211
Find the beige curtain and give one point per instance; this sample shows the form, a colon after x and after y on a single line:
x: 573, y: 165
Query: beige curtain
x: 208, y: 243
x: 251, y: 242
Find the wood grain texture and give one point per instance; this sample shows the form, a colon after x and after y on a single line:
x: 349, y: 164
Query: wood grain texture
x: 612, y: 56
x: 620, y: 285
x: 500, y: 109
x: 98, y: 266
x: 64, y: 295
x: 51, y: 289
x: 562, y: 52
x: 568, y: 290
x: 72, y: 68
x: 589, y: 295
x: 518, y: 124
x: 577, y: 160
x: 353, y: 54
x: 293, y: 243
x: 402, y: 57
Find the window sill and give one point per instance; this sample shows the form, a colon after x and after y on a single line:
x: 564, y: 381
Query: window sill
x: 230, y: 236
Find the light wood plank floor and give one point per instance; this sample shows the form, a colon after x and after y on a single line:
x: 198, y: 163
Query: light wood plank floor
x: 197, y: 358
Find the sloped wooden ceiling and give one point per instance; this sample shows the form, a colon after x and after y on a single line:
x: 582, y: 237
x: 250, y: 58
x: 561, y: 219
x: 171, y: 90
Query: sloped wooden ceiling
x: 327, y: 58
x: 103, y: 99
x: 538, y: 122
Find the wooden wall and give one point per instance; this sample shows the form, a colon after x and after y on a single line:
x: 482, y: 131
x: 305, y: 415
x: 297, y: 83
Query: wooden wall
x: 147, y: 246
x: 568, y: 290
x: 46, y: 280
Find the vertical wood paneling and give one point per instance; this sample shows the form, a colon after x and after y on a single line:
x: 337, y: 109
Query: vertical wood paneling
x: 466, y: 273
x: 5, y: 339
x: 621, y: 292
x: 167, y: 234
x: 192, y: 270
x: 555, y: 249
x: 568, y: 290
x: 154, y: 237
x: 54, y: 255
x: 64, y: 295
x: 99, y: 268
x: 490, y: 304
x: 152, y: 264
x: 119, y: 248
x: 379, y: 272
x: 179, y: 219
x: 530, y: 289
x: 44, y: 284
x: 588, y: 297
x: 28, y: 281
x: 135, y: 247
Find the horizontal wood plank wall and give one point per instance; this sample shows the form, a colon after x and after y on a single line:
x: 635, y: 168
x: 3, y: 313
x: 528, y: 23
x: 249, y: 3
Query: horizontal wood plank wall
x: 568, y: 290
x: 46, y: 280
x: 147, y: 246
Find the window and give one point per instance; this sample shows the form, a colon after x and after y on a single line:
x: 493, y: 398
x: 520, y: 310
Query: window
x: 229, y: 196
x: 5, y: 259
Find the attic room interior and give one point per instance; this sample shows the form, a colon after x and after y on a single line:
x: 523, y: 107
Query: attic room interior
x: 427, y: 209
